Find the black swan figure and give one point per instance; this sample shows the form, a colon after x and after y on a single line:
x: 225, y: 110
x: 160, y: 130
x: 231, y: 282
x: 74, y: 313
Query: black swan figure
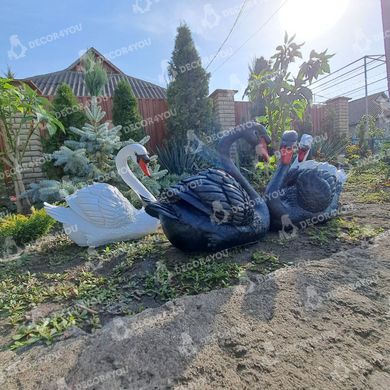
x: 216, y: 209
x: 307, y: 192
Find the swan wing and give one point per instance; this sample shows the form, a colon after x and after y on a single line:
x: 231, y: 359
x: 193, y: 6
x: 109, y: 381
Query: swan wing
x: 103, y: 205
x: 315, y: 189
x: 291, y: 177
x: 323, y: 166
x: 308, y: 164
x: 215, y: 193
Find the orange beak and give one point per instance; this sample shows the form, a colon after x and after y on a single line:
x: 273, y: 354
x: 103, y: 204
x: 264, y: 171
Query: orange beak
x: 301, y: 154
x: 262, y: 150
x: 144, y: 166
x: 286, y: 154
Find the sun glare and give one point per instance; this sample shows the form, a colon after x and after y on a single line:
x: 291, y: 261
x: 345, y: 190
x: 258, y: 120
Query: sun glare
x: 311, y: 18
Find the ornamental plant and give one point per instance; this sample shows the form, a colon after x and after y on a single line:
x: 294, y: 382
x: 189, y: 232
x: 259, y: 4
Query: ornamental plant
x: 125, y: 112
x: 21, y: 105
x: 188, y: 89
x: 67, y: 109
x: 17, y: 229
x: 285, y: 97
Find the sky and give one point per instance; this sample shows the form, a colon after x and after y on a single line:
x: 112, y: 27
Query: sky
x: 44, y: 36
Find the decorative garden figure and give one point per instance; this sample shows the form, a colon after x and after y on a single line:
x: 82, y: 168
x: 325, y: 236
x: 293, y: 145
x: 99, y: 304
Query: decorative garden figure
x: 221, y: 209
x: 99, y: 214
x: 308, y: 190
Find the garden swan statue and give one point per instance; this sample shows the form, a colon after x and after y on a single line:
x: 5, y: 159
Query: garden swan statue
x: 307, y: 190
x: 217, y: 208
x: 99, y: 214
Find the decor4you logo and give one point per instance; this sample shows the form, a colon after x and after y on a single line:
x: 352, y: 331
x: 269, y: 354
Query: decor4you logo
x: 212, y: 18
x: 18, y: 49
x: 143, y: 6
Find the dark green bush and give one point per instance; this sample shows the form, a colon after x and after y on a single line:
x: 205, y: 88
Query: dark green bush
x: 125, y: 112
x: 69, y: 112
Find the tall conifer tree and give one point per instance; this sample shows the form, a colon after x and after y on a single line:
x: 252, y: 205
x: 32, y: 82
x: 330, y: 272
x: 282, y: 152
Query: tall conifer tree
x: 188, y: 89
x: 125, y: 112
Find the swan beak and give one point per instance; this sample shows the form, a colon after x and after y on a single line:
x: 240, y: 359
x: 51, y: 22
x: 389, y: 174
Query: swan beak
x: 302, y: 153
x: 143, y: 164
x: 262, y: 150
x: 286, y: 154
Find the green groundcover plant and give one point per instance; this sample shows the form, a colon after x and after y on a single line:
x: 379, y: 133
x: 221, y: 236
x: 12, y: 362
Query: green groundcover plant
x: 18, y: 229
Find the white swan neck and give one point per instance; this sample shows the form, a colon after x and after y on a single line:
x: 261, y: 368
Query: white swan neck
x: 128, y: 176
x: 296, y: 163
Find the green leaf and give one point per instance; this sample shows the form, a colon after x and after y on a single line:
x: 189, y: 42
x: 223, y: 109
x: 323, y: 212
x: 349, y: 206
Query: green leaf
x: 18, y: 336
x: 326, y: 67
x: 27, y: 118
x: 51, y: 129
x: 292, y: 38
x: 261, y: 119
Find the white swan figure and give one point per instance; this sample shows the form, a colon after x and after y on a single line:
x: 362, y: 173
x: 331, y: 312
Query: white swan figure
x: 99, y: 214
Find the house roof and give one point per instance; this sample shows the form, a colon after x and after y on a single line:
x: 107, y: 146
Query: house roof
x: 357, y: 108
x: 108, y: 65
x: 74, y: 74
x: 31, y: 84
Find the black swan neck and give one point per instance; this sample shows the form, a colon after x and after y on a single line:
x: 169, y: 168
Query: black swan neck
x: 277, y: 179
x: 274, y: 201
x: 224, y: 154
x: 226, y: 142
x: 223, y: 149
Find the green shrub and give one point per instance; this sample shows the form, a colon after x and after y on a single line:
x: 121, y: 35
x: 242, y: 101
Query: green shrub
x: 385, y: 152
x: 125, y: 112
x: 174, y: 157
x: 352, y: 153
x: 95, y: 74
x: 329, y: 149
x: 260, y: 177
x: 68, y: 110
x: 23, y: 229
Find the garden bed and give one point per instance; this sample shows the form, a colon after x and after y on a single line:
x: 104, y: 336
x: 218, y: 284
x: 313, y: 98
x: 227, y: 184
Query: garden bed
x: 319, y: 325
x: 71, y: 313
x: 54, y: 286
